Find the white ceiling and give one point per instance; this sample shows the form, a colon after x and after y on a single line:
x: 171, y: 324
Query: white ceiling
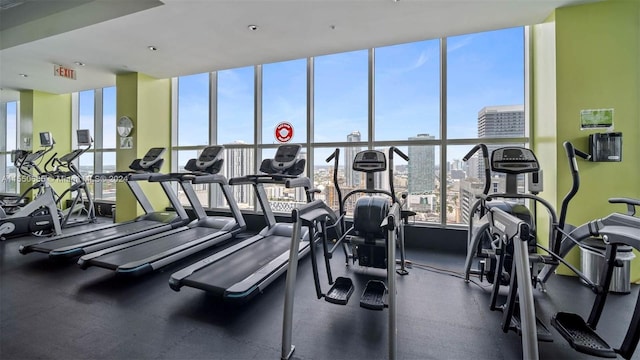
x: 194, y: 36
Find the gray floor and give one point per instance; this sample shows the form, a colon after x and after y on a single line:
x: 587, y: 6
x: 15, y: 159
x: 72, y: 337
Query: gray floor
x: 54, y: 310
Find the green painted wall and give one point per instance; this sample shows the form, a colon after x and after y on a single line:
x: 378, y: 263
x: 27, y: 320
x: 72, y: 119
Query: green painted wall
x: 41, y: 111
x: 147, y: 102
x: 597, y: 65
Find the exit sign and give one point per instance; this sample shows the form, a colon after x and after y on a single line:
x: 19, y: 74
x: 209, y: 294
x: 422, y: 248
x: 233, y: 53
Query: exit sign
x: 65, y: 72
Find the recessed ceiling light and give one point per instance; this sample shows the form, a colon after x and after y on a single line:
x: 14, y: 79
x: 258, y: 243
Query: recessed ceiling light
x: 23, y: 75
x: 79, y: 63
x: 253, y: 27
x: 152, y: 48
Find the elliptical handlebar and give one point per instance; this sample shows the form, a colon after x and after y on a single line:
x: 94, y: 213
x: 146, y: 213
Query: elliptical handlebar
x: 392, y: 150
x: 335, y: 156
x: 572, y: 152
x: 631, y: 204
x: 487, y: 165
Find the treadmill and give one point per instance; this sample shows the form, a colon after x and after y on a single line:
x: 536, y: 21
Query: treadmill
x: 151, y: 253
x: 246, y: 268
x: 152, y: 222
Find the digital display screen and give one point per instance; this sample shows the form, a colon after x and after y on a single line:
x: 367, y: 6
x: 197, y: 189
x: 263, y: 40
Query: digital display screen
x: 370, y: 156
x: 84, y: 137
x: 210, y: 153
x: 153, y: 154
x: 46, y: 139
x: 512, y: 153
x: 287, y: 153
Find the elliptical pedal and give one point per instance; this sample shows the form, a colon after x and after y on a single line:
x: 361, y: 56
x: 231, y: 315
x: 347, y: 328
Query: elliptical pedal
x: 580, y: 336
x: 340, y: 292
x: 543, y: 332
x: 373, y: 295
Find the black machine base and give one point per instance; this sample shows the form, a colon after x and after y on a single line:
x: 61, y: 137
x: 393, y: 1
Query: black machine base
x: 543, y: 332
x: 373, y: 295
x: 340, y: 292
x: 580, y: 336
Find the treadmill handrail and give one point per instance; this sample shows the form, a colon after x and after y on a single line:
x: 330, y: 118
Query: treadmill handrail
x: 261, y: 179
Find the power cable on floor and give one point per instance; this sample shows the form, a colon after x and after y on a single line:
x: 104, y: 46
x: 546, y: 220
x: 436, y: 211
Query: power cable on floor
x: 446, y: 272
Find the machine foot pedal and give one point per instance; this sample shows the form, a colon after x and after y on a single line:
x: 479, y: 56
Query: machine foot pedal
x: 580, y: 336
x: 544, y: 334
x: 373, y: 295
x: 340, y: 292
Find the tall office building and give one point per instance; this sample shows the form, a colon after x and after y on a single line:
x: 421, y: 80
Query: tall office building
x: 501, y: 121
x: 506, y: 121
x: 493, y: 122
x: 238, y: 162
x: 422, y: 166
x: 353, y: 179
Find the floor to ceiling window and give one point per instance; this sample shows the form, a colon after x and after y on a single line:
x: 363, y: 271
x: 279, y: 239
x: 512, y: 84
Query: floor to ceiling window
x: 407, y: 111
x: 9, y: 135
x: 97, y: 113
x: 193, y: 127
x: 433, y: 100
x: 485, y: 102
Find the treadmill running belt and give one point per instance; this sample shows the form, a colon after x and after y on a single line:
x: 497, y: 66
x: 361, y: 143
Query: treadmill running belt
x: 82, y: 239
x: 229, y: 270
x: 155, y: 247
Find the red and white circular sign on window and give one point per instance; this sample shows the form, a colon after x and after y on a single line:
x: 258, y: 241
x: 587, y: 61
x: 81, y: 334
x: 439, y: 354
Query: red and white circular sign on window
x: 284, y: 132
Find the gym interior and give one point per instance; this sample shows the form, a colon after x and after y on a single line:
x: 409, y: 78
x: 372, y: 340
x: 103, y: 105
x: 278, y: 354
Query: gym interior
x: 314, y: 179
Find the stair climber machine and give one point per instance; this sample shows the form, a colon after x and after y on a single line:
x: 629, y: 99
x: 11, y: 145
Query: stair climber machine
x: 371, y: 242
x: 77, y: 213
x: 152, y: 222
x: 245, y: 269
x: 40, y: 216
x: 153, y: 252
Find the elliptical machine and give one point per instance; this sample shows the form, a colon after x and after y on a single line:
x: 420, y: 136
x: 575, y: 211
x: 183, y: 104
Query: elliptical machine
x: 10, y: 203
x: 371, y: 242
x: 497, y: 262
x: 40, y: 216
x: 77, y: 213
x: 615, y: 230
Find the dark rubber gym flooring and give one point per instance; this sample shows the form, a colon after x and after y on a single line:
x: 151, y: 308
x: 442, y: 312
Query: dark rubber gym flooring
x: 54, y: 310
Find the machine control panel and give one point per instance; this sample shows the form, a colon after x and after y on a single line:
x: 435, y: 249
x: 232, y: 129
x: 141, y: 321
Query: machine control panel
x: 209, y: 156
x: 370, y: 161
x: 514, y: 160
x: 151, y: 157
x: 285, y: 156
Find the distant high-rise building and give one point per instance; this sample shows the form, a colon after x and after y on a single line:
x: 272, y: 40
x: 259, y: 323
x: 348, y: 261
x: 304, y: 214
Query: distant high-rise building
x: 352, y: 178
x: 506, y: 121
x: 501, y: 121
x: 422, y: 166
x: 238, y: 162
x: 381, y: 179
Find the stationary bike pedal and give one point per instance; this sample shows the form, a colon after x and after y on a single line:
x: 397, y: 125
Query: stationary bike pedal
x: 340, y: 292
x: 580, y: 336
x: 373, y: 295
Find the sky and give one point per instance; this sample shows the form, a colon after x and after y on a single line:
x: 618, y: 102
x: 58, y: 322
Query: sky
x: 483, y: 69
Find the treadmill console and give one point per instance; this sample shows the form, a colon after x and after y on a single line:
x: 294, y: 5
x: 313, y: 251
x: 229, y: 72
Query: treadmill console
x: 514, y: 160
x: 285, y: 156
x: 370, y: 161
x: 151, y: 157
x: 209, y: 156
